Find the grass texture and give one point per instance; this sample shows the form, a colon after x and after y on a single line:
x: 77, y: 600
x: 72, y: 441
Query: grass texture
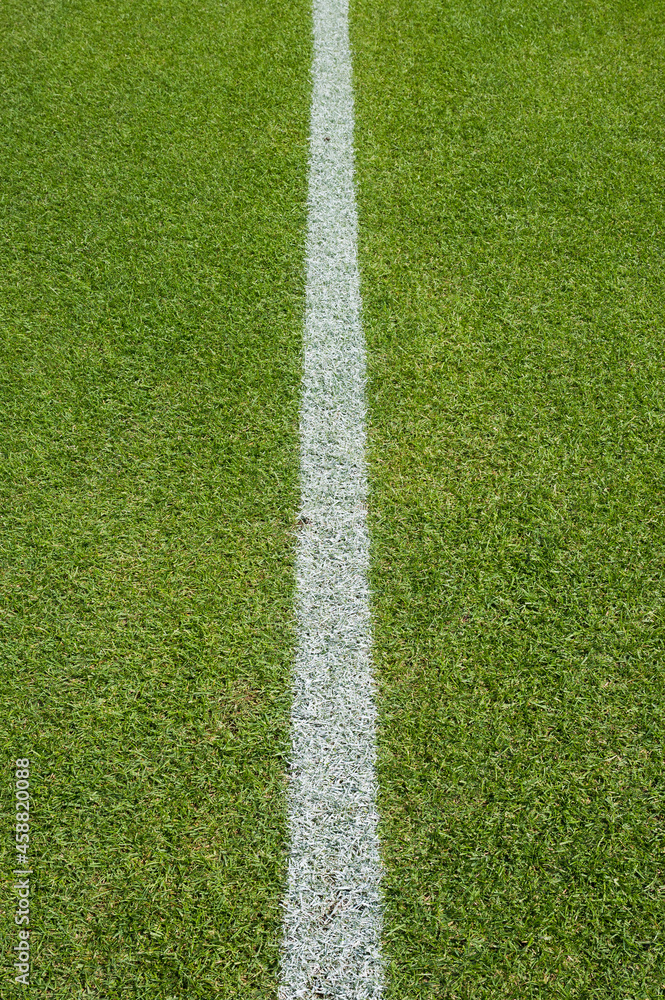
x: 511, y: 182
x: 153, y: 184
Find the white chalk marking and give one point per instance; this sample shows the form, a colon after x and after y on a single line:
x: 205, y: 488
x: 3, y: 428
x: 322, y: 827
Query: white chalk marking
x: 332, y: 910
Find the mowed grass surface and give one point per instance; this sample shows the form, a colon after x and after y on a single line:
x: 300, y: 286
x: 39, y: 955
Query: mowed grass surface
x: 511, y: 180
x: 153, y: 172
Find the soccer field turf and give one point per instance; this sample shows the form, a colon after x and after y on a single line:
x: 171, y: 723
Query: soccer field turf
x: 154, y: 182
x: 510, y: 180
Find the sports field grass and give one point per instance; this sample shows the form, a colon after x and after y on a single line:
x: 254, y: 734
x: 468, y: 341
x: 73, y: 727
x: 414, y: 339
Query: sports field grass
x: 511, y: 180
x: 154, y: 176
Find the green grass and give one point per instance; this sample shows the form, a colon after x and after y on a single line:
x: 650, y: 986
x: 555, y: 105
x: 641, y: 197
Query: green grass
x: 152, y: 191
x: 511, y: 181
x: 153, y: 184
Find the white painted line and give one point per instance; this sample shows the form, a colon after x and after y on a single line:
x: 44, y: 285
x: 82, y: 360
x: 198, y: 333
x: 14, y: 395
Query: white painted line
x: 332, y: 910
